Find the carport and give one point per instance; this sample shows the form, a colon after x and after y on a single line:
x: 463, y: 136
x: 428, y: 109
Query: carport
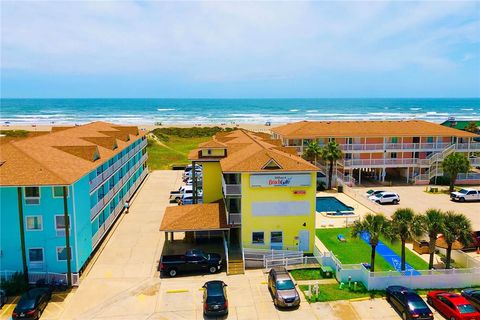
x: 201, y: 224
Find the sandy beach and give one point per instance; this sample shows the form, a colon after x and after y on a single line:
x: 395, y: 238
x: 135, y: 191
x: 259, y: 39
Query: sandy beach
x: 150, y: 127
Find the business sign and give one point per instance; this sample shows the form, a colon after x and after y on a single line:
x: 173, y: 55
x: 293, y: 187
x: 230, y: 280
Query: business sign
x: 280, y: 180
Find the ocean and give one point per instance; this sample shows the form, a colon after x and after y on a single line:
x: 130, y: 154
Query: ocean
x: 230, y: 111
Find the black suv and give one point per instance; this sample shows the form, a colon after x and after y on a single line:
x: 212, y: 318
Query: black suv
x: 215, y: 302
x: 408, y: 303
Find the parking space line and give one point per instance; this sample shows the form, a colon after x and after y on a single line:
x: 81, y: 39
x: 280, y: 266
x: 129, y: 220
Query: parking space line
x: 177, y: 291
x: 9, y: 306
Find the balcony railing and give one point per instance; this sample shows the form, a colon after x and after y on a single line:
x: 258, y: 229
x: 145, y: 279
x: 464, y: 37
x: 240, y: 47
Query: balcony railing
x: 234, y: 218
x: 231, y: 189
x: 99, y: 179
x: 111, y: 218
x: 474, y: 146
x: 384, y: 162
x: 111, y: 193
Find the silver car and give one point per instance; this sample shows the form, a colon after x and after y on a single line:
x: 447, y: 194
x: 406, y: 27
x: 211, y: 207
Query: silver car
x: 282, y: 288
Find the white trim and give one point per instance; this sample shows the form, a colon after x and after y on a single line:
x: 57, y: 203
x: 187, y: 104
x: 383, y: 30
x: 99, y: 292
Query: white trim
x: 36, y: 262
x: 53, y: 192
x: 56, y: 253
x: 25, y: 198
x: 34, y: 215
x: 257, y: 243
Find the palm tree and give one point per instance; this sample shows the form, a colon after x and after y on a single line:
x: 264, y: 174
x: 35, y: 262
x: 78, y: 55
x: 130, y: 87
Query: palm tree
x: 376, y: 225
x: 406, y: 226
x: 330, y: 153
x: 453, y: 164
x: 432, y: 224
x: 313, y: 151
x: 471, y: 127
x: 456, y: 227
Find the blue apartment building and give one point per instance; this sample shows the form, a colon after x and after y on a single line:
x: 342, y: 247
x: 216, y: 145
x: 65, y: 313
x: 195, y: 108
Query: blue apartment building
x: 77, y: 176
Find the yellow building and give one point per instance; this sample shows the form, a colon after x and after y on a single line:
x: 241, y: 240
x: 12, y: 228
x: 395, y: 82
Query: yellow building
x: 268, y: 191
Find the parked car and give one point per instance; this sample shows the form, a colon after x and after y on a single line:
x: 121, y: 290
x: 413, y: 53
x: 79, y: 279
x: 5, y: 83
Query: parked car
x: 32, y: 303
x: 192, y: 260
x: 385, y: 197
x: 408, y: 303
x: 3, y: 297
x: 374, y: 192
x: 473, y: 296
x: 282, y: 288
x: 176, y: 196
x: 452, y: 305
x: 215, y: 302
x: 187, y: 198
x: 465, y: 195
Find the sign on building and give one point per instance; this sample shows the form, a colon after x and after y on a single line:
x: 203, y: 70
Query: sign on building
x: 280, y: 180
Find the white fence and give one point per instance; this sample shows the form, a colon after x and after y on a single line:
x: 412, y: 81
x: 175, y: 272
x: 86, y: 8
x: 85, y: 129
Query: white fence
x: 49, y: 277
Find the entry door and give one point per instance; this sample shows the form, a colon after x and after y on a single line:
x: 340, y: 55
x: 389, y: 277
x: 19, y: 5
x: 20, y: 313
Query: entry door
x: 276, y: 240
x: 304, y: 240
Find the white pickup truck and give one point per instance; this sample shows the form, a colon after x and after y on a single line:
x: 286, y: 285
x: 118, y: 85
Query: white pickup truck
x: 465, y: 195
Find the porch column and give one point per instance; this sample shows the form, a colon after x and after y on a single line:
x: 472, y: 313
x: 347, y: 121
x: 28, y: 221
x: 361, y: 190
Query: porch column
x: 408, y: 174
x: 22, y: 233
x: 359, y: 175
x: 194, y: 183
x: 67, y: 236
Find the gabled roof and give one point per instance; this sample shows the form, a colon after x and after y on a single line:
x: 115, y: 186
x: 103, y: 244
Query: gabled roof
x: 62, y: 156
x: 251, y: 152
x: 319, y: 129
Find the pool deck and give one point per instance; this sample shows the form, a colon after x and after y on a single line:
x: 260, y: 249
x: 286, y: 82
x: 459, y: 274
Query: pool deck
x: 322, y: 221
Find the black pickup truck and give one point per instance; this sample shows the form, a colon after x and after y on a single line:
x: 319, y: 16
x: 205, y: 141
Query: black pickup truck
x: 192, y: 261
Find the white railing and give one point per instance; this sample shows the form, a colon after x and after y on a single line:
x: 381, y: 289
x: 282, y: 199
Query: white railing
x: 473, y: 146
x: 270, y: 254
x: 110, y: 194
x: 102, y: 230
x: 234, y: 218
x: 35, y: 276
x: 424, y: 146
x: 383, y: 162
x: 98, y: 180
x: 231, y: 189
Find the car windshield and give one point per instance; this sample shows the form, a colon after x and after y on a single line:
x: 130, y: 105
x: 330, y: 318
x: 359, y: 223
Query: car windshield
x: 285, y: 285
x: 215, y: 299
x: 463, y: 191
x: 466, y: 308
x: 415, y: 303
x: 25, y: 304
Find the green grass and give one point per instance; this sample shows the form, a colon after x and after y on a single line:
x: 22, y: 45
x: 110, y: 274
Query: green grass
x: 352, y: 251
x: 306, y: 274
x: 332, y: 292
x: 175, y: 152
x: 15, y: 133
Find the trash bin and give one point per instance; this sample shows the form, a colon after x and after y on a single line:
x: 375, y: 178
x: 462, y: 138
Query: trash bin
x: 340, y: 189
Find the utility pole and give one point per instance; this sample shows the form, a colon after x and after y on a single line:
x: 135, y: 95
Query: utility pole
x: 22, y: 233
x: 67, y: 236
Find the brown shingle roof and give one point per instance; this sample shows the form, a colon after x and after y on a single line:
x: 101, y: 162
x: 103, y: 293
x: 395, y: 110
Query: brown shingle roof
x: 60, y: 157
x: 198, y: 217
x: 318, y: 129
x: 250, y: 152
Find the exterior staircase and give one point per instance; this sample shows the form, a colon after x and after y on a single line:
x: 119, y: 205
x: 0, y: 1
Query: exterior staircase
x: 235, y: 266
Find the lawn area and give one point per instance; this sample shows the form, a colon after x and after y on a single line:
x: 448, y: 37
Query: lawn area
x: 306, y: 274
x: 174, y: 151
x: 332, y: 292
x: 352, y: 251
x: 358, y: 251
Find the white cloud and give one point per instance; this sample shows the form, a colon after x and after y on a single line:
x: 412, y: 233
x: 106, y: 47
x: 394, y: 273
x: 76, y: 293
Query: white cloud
x: 214, y: 41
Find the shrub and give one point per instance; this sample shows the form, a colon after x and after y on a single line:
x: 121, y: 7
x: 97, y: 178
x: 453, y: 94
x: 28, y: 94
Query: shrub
x: 14, y: 133
x: 194, y: 132
x: 15, y: 285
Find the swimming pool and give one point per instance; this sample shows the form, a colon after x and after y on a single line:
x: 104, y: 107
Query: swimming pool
x: 332, y: 204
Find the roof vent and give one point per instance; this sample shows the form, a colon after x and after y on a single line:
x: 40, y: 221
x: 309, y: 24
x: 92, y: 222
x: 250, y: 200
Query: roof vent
x: 271, y: 165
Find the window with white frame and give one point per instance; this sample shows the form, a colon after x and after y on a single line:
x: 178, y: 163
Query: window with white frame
x: 61, y: 254
x: 258, y: 237
x: 58, y: 192
x: 34, y: 223
x: 35, y: 255
x: 60, y: 225
x: 32, y: 195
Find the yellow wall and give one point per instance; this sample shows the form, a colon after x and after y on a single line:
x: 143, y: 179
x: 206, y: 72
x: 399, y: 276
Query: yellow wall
x: 212, y: 181
x: 290, y: 225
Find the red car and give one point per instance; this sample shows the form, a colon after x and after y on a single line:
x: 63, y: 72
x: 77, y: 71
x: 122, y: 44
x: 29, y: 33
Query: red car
x: 452, y: 305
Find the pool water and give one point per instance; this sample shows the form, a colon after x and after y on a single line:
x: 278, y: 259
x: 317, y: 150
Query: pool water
x: 331, y: 204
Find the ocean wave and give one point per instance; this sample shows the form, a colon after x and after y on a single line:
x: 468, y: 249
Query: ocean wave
x: 165, y: 109
x: 415, y: 109
x: 310, y: 111
x: 293, y: 110
x: 467, y: 109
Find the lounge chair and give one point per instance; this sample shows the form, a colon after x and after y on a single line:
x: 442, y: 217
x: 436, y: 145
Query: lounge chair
x: 341, y: 238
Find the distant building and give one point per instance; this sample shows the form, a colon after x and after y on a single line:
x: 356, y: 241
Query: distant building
x: 385, y: 150
x: 99, y: 165
x: 257, y: 194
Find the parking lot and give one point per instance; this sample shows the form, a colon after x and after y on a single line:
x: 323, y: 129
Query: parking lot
x: 416, y: 198
x: 123, y: 281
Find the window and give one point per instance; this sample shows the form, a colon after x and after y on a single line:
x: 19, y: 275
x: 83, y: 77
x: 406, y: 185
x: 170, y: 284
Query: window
x: 429, y: 139
x: 276, y: 237
x: 209, y: 151
x: 61, y: 254
x: 60, y: 225
x: 32, y: 195
x: 35, y: 255
x: 258, y: 237
x: 349, y: 140
x: 393, y: 155
x: 58, y: 192
x: 394, y: 139
x: 34, y: 223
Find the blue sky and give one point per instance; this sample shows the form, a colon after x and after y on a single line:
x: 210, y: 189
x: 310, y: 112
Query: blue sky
x: 240, y: 49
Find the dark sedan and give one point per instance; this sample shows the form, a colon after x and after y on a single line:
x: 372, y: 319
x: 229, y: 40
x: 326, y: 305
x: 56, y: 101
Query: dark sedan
x: 32, y: 303
x: 215, y: 302
x: 408, y: 303
x: 473, y: 296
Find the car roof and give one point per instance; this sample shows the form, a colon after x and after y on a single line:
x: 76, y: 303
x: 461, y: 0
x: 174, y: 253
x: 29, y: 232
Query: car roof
x: 214, y: 287
x: 454, y: 297
x: 33, y: 293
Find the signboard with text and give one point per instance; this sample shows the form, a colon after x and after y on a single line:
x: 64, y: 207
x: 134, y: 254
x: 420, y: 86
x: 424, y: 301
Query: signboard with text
x: 280, y: 180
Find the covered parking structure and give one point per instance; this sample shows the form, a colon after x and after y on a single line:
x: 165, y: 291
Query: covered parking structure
x: 203, y: 226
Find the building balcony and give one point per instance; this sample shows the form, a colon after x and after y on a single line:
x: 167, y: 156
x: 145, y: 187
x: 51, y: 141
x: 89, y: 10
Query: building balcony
x: 234, y: 218
x: 380, y: 163
x: 112, y: 192
x: 231, y: 189
x: 105, y: 175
